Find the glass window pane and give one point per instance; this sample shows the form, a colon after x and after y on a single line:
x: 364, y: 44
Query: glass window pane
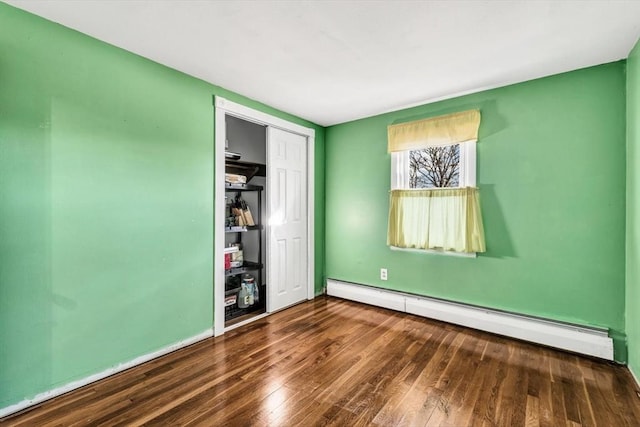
x: 435, y: 167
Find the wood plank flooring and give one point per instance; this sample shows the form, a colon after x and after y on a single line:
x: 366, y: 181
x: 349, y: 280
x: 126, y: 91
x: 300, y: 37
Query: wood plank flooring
x: 335, y: 362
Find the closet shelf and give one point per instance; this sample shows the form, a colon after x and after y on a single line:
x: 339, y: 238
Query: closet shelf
x: 246, y: 267
x: 247, y: 169
x: 237, y: 315
x: 242, y: 228
x: 242, y: 187
x: 235, y: 277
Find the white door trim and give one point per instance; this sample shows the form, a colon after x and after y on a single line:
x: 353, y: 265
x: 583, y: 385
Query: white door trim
x: 222, y: 108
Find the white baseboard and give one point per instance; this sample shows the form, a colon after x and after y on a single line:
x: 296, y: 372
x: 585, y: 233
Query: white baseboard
x: 39, y: 398
x: 580, y: 339
x: 635, y: 377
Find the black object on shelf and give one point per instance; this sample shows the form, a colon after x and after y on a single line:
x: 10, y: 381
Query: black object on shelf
x: 233, y: 312
x: 248, y: 169
x: 242, y: 187
x: 230, y: 155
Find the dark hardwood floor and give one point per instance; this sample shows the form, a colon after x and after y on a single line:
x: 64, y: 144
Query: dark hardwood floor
x: 336, y: 362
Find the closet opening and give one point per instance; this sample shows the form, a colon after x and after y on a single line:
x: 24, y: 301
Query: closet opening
x: 263, y: 215
x: 245, y: 211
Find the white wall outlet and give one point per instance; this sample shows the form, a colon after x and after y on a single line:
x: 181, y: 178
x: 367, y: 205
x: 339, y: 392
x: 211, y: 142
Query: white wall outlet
x: 383, y: 274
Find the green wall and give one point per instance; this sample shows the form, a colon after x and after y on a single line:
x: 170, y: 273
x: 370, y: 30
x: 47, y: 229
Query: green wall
x: 106, y: 205
x: 551, y: 173
x: 633, y: 209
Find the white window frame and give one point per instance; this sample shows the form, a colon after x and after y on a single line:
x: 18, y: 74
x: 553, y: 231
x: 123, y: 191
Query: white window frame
x: 467, y: 178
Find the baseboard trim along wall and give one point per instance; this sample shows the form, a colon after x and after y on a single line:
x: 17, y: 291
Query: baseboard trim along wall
x: 579, y: 339
x: 39, y: 398
x: 635, y: 377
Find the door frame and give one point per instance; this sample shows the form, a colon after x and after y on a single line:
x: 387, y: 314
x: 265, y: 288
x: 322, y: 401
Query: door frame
x: 224, y: 107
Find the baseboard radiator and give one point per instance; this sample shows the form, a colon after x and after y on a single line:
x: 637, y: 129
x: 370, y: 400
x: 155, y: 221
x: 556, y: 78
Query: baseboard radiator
x: 579, y: 339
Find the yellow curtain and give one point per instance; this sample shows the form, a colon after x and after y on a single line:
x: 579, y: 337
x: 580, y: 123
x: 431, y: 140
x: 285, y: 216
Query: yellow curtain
x: 437, y: 218
x: 441, y: 130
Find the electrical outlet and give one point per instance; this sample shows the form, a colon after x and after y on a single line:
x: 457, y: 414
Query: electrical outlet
x: 383, y: 274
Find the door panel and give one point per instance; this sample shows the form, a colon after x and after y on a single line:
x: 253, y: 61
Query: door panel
x: 287, y: 194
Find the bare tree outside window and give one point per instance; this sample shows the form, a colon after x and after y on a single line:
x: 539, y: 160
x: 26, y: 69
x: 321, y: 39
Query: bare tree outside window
x: 435, y: 167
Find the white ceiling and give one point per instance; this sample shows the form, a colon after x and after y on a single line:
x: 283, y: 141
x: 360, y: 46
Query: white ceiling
x: 336, y: 61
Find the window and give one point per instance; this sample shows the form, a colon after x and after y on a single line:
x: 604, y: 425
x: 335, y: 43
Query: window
x: 434, y: 204
x: 447, y: 166
x: 435, y: 167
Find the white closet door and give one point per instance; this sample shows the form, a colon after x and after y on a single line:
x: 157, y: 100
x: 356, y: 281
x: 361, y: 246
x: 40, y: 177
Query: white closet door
x: 287, y: 197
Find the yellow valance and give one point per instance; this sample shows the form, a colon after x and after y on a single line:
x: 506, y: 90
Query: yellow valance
x: 442, y: 130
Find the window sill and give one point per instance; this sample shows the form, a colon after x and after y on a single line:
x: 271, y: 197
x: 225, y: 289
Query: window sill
x: 436, y: 252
